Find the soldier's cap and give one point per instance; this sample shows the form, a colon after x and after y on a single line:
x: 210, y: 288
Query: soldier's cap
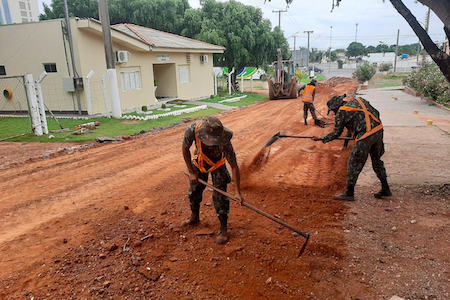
x: 213, y: 133
x: 335, y: 103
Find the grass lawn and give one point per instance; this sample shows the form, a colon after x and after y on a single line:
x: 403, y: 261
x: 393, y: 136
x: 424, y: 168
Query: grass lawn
x: 250, y: 99
x: 382, y: 81
x: 109, y: 127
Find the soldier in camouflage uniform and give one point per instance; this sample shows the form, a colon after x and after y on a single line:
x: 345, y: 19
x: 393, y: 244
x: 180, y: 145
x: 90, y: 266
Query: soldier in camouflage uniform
x: 213, y: 150
x: 360, y: 118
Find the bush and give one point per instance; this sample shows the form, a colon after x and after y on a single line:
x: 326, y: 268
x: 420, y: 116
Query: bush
x: 180, y: 102
x: 300, y: 75
x: 144, y: 108
x: 384, y: 67
x: 430, y: 81
x: 364, y: 73
x: 340, y: 63
x: 163, y: 105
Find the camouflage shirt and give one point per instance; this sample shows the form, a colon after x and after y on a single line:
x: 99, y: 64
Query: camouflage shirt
x: 354, y: 121
x: 212, y: 152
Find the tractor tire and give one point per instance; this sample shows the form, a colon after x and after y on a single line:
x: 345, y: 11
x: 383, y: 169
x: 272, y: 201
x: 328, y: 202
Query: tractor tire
x: 294, y: 92
x: 271, y: 91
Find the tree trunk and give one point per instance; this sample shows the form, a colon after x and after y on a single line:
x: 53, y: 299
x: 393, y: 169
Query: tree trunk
x: 441, y: 8
x: 441, y: 58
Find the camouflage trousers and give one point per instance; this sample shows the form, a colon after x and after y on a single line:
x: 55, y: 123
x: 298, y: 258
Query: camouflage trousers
x: 372, y: 145
x: 220, y: 178
x: 309, y: 106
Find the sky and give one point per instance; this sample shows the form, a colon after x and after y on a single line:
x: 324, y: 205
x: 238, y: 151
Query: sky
x: 370, y: 22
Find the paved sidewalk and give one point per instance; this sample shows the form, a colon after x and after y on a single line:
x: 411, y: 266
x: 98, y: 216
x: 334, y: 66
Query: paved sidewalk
x: 416, y: 153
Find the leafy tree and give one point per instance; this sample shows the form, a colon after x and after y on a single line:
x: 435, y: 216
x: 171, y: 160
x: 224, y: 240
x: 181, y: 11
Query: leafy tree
x: 356, y: 49
x: 165, y: 15
x: 333, y: 54
x: 371, y: 49
x: 316, y: 55
x: 79, y: 8
x: 241, y: 29
x: 380, y: 48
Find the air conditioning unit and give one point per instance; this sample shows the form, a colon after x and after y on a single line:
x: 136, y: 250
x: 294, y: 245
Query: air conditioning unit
x: 122, y: 56
x: 204, y: 58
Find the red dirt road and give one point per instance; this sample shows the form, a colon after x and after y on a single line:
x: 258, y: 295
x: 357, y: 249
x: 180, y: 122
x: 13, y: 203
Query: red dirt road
x: 103, y: 222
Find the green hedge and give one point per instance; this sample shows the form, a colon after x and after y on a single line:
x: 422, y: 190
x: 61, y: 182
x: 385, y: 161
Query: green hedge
x: 430, y: 82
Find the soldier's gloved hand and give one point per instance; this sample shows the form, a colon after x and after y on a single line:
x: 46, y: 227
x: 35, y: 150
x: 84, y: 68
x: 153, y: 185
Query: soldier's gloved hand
x: 316, y: 138
x: 193, y: 176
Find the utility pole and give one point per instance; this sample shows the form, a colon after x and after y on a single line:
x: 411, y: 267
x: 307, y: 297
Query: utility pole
x: 396, y: 52
x: 307, y: 59
x: 72, y: 57
x: 110, y: 62
x: 356, y: 33
x: 279, y: 15
x: 426, y: 29
x: 329, y: 63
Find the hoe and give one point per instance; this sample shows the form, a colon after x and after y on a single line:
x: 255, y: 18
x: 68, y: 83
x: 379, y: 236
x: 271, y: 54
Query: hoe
x: 279, y: 135
x: 303, y: 234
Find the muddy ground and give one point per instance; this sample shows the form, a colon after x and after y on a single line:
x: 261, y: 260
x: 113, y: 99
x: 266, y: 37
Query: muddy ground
x: 102, y: 222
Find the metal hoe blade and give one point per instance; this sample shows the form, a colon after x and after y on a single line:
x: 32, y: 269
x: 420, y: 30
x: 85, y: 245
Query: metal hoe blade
x: 272, y: 140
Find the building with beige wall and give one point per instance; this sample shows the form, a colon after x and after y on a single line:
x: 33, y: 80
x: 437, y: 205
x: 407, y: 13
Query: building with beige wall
x: 182, y: 67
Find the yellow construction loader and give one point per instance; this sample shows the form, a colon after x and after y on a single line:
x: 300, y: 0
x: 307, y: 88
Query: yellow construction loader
x: 284, y: 85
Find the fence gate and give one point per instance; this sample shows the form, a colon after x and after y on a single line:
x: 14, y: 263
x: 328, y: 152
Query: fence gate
x: 15, y: 117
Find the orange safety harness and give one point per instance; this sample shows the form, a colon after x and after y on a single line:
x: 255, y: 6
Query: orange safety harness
x: 368, y: 115
x: 308, y: 93
x: 200, y: 158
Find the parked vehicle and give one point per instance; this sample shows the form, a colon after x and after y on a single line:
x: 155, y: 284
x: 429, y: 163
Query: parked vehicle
x: 316, y: 69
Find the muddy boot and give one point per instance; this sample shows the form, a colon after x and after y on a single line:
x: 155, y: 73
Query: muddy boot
x: 344, y: 197
x: 222, y: 238
x: 349, y: 195
x: 193, y: 219
x: 306, y: 123
x: 385, y: 190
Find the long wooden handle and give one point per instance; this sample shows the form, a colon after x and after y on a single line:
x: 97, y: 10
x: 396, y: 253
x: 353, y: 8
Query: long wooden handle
x: 303, y: 234
x: 310, y: 136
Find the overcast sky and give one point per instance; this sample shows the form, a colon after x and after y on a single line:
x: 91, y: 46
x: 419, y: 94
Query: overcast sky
x: 377, y: 21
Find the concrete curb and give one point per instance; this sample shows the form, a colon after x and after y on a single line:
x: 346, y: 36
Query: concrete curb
x: 412, y: 92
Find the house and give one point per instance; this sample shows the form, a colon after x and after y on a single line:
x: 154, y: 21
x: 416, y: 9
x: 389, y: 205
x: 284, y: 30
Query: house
x: 181, y: 66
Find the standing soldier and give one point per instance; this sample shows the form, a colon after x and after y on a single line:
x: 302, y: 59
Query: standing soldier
x: 309, y: 93
x: 213, y: 150
x: 360, y: 118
